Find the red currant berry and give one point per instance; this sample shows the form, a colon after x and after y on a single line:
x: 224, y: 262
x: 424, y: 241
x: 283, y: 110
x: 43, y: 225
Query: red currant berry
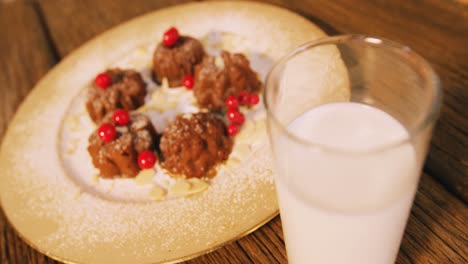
x: 235, y: 116
x: 232, y: 129
x: 244, y: 98
x: 232, y: 102
x: 232, y: 114
x: 121, y: 117
x: 103, y: 80
x: 239, y: 118
x: 107, y: 132
x: 254, y: 99
x: 146, y: 159
x: 170, y: 37
x: 188, y: 81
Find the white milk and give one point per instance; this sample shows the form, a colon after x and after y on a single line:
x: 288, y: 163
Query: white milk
x: 345, y: 206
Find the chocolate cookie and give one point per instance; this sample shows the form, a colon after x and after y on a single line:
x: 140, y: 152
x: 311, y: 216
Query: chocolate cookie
x: 216, y: 78
x: 121, y: 89
x: 177, y: 61
x: 193, y: 144
x: 118, y: 157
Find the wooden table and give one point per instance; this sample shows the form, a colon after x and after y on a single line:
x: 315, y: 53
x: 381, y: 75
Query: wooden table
x: 36, y: 34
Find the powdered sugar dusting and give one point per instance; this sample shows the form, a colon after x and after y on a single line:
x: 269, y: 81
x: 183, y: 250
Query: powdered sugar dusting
x: 163, y: 104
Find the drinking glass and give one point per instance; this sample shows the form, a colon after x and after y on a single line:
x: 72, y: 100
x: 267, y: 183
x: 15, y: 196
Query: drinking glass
x: 349, y: 119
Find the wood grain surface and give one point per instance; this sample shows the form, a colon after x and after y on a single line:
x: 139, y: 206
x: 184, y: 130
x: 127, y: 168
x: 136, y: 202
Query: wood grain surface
x: 37, y: 34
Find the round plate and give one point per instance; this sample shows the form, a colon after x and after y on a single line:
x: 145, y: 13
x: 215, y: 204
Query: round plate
x: 53, y: 213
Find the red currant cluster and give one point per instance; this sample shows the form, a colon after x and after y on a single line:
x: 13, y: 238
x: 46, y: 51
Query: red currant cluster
x: 107, y: 132
x: 170, y: 38
x: 236, y: 117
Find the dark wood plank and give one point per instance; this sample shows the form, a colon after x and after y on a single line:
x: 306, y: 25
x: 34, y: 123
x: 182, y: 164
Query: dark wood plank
x: 25, y: 54
x: 437, y: 230
x: 436, y: 30
x: 25, y: 58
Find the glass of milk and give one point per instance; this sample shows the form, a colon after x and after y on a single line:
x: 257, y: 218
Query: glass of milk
x: 350, y: 120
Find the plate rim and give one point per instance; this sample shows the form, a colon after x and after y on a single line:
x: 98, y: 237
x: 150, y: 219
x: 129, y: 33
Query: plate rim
x: 176, y: 260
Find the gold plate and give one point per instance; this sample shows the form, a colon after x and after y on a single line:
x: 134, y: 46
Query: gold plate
x: 50, y: 210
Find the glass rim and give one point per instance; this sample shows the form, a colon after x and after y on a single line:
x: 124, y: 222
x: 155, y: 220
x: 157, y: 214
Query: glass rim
x: 433, y: 83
